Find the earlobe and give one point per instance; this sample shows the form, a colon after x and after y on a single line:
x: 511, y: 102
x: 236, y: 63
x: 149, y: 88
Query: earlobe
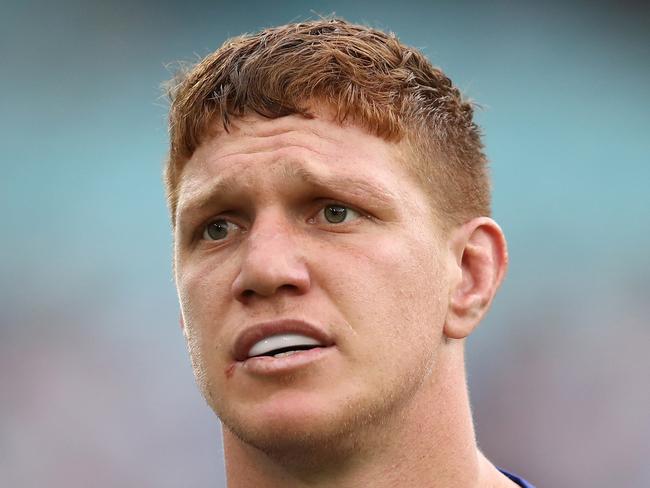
x: 481, y: 259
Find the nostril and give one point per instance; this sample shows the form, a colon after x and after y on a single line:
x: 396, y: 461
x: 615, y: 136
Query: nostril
x: 256, y: 278
x: 248, y: 293
x: 288, y: 287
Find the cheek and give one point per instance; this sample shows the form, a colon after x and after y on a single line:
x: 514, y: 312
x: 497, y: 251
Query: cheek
x: 399, y: 284
x: 391, y: 295
x: 202, y: 304
x: 202, y: 297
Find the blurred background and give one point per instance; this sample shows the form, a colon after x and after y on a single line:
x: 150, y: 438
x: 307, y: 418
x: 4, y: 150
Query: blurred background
x: 95, y: 385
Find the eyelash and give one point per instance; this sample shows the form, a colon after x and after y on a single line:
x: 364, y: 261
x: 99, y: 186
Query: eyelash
x: 203, y: 230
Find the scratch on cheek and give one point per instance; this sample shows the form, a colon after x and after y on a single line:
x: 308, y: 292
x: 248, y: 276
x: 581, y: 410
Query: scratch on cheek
x: 230, y: 370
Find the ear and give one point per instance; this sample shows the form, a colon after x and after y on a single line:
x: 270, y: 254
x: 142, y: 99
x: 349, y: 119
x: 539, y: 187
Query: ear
x: 480, y: 260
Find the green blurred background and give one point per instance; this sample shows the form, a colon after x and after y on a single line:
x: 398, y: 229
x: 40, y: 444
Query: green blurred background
x: 95, y: 384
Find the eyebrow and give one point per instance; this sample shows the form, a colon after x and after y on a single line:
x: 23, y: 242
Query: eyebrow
x: 223, y: 185
x: 370, y: 189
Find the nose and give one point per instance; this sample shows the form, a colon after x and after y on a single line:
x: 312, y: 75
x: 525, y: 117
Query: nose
x: 273, y: 261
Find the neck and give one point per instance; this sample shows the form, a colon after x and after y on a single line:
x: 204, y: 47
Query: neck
x: 429, y: 442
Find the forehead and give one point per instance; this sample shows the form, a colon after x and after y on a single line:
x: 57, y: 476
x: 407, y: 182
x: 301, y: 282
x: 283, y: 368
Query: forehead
x: 324, y: 138
x: 258, y: 151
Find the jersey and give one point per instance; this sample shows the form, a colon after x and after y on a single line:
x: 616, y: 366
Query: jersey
x: 520, y: 481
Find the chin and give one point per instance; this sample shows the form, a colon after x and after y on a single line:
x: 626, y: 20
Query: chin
x: 304, y: 421
x: 302, y: 446
x: 284, y: 414
x: 295, y: 430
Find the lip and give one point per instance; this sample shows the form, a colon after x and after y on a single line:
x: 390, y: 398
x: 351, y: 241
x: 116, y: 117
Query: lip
x: 269, y: 366
x: 251, y: 335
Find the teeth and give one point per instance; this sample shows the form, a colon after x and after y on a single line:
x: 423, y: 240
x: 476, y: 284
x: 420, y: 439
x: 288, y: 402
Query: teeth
x: 280, y: 341
x: 283, y: 354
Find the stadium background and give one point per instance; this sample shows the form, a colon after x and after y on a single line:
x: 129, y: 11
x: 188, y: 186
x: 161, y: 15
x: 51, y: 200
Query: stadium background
x: 95, y: 384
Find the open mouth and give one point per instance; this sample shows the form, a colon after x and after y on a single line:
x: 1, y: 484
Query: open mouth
x: 282, y: 345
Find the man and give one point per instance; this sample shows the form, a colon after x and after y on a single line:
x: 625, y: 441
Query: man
x: 332, y: 250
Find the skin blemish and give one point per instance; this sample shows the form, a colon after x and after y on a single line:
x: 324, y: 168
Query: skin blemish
x: 230, y: 370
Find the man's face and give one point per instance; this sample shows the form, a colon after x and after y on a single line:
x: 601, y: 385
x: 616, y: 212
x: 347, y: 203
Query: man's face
x: 295, y: 232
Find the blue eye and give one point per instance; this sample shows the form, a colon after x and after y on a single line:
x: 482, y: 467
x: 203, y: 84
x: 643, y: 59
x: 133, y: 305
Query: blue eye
x: 217, y: 230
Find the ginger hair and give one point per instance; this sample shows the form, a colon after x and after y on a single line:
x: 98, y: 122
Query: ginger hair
x: 365, y: 76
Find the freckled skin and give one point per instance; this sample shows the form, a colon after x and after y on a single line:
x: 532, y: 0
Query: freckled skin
x: 379, y: 283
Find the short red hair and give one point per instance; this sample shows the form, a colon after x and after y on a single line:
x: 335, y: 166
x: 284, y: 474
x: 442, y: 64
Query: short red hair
x: 364, y: 75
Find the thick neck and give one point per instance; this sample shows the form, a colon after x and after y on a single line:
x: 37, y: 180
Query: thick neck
x: 429, y: 442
